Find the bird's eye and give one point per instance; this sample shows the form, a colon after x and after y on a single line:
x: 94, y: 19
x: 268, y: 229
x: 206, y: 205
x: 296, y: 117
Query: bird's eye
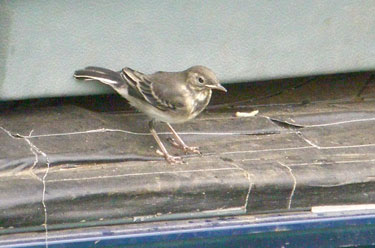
x: 201, y: 80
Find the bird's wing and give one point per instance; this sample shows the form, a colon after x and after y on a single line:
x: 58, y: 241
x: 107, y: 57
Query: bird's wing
x: 155, y: 93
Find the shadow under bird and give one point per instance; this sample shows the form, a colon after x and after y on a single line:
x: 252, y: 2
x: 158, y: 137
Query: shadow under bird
x: 169, y: 97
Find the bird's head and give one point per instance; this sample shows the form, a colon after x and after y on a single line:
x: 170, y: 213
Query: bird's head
x: 202, y: 78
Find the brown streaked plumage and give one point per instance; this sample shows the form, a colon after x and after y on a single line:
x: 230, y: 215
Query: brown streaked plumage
x: 170, y: 97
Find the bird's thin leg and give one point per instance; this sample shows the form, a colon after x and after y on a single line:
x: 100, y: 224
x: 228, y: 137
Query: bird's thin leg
x: 169, y: 158
x: 179, y: 143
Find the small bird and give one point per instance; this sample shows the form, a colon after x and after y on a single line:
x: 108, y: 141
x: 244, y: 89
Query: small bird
x: 169, y: 97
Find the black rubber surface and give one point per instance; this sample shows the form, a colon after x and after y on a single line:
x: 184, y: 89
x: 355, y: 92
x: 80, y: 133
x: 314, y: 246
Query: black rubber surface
x: 70, y: 161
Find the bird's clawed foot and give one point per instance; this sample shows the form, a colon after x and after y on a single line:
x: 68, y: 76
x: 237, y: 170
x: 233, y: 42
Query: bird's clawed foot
x: 170, y: 159
x: 173, y: 160
x: 185, y: 148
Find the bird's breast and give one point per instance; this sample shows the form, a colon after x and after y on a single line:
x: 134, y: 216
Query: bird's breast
x: 200, y: 102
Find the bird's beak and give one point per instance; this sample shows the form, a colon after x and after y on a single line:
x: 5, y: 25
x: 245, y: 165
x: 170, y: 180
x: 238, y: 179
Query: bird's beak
x: 217, y: 87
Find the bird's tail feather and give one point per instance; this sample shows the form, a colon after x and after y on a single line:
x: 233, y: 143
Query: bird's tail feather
x: 103, y: 75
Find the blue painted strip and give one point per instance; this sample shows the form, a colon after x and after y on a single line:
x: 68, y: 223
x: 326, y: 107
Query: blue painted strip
x: 318, y: 232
